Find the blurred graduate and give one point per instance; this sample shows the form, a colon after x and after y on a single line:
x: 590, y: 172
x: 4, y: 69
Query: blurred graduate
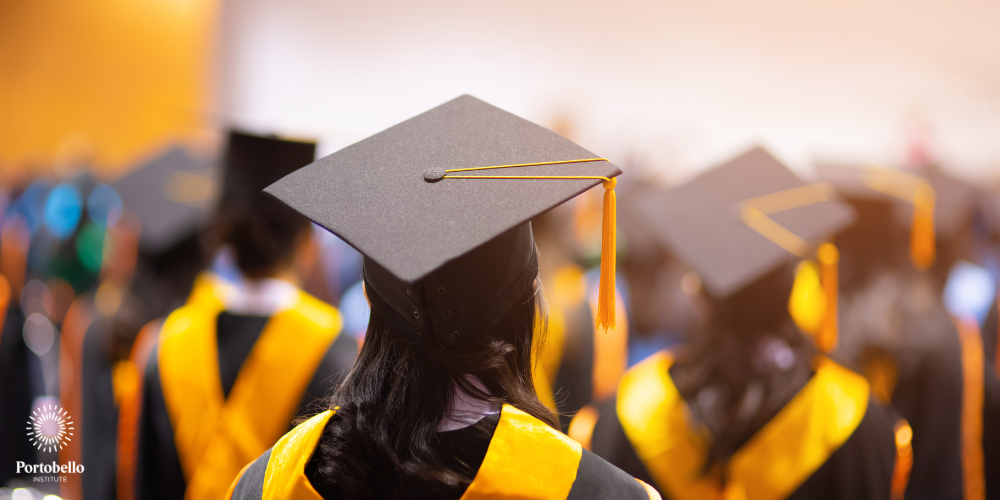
x: 152, y: 251
x: 231, y: 370
x: 750, y: 408
x: 928, y: 364
x: 441, y: 402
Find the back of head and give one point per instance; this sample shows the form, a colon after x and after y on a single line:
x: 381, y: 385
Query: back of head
x: 474, y: 316
x: 743, y: 227
x: 451, y: 272
x: 262, y: 231
x: 748, y: 361
x: 876, y: 240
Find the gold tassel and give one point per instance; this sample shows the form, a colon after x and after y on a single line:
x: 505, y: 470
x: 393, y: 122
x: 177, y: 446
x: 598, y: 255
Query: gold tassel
x: 828, y: 259
x: 807, y: 304
x: 606, y: 296
x: 922, y: 239
x: 904, y: 460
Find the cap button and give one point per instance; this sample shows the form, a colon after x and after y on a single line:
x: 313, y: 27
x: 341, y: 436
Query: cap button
x: 434, y: 174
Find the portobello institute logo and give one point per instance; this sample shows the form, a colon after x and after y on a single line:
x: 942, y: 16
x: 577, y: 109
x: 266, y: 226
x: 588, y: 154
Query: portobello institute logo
x: 50, y: 428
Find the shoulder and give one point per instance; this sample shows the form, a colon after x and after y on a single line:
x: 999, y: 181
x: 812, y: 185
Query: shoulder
x: 249, y: 484
x: 598, y: 479
x: 648, y: 374
x: 531, y: 460
x: 646, y: 393
x: 185, y: 318
x: 844, y: 390
x: 281, y: 470
x: 318, y: 313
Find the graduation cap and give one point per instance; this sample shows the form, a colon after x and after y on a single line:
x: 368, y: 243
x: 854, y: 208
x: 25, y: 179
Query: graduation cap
x: 932, y: 205
x: 954, y: 203
x: 740, y: 221
x: 439, y: 206
x: 171, y: 194
x: 253, y: 162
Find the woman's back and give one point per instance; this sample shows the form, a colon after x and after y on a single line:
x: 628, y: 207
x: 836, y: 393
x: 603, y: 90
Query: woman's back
x: 454, y: 295
x: 524, y: 458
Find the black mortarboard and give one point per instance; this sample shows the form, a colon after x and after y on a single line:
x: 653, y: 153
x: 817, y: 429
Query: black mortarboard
x: 253, y: 162
x: 955, y: 203
x: 951, y: 201
x: 738, y: 222
x: 171, y: 194
x: 445, y: 254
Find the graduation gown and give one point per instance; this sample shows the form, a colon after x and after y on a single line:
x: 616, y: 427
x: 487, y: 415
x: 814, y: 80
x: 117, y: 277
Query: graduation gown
x: 578, y: 363
x: 991, y: 404
x: 221, y: 388
x: 525, y: 459
x: 97, y: 388
x: 21, y: 377
x: 830, y: 441
x: 931, y: 393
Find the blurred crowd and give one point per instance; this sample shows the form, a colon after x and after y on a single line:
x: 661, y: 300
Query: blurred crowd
x: 902, y: 292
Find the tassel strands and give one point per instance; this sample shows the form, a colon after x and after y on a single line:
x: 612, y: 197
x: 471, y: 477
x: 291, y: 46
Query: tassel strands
x: 922, y: 239
x: 829, y: 258
x: 606, y: 296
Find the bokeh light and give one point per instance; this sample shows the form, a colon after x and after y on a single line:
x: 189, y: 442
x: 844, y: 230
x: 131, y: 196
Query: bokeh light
x: 39, y: 334
x: 104, y: 205
x: 90, y: 246
x: 36, y: 298
x: 63, y: 208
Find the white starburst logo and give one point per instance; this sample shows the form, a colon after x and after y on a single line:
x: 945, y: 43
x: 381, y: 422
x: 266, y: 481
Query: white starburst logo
x: 50, y: 428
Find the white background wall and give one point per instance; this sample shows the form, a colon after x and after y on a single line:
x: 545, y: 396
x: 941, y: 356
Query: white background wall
x: 671, y: 86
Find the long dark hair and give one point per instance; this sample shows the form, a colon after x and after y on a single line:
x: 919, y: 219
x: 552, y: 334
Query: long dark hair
x: 745, y: 365
x: 384, y: 439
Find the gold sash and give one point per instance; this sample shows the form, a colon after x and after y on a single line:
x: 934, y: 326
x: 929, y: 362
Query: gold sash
x: 216, y: 436
x: 526, y: 460
x: 208, y: 290
x: 776, y: 460
x: 973, y: 373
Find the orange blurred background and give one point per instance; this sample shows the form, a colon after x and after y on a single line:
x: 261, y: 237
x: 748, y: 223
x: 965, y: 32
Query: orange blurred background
x: 101, y: 81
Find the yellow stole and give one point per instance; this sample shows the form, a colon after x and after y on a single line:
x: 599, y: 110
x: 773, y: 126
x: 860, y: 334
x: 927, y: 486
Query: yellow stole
x: 216, y: 436
x: 776, y: 460
x: 526, y: 459
x: 208, y: 290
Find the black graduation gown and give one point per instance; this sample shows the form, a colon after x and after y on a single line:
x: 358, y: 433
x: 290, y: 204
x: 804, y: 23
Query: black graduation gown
x: 928, y: 395
x: 573, y: 383
x: 861, y: 468
x: 159, y: 475
x: 589, y: 478
x: 99, y: 419
x: 991, y: 405
x: 574, y: 388
x: 21, y: 377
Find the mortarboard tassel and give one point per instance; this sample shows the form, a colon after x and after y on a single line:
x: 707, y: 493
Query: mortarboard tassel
x: 922, y: 239
x: 904, y: 459
x: 829, y: 257
x: 807, y: 303
x: 606, y: 295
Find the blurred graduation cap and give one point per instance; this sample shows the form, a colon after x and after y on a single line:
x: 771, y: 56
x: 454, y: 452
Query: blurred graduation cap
x: 172, y: 194
x: 933, y: 206
x: 439, y: 204
x: 738, y: 223
x: 253, y: 162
